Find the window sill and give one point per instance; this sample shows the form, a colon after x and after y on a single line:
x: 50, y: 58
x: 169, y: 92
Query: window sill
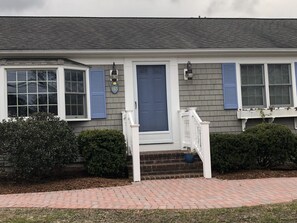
x: 77, y: 119
x: 267, y: 113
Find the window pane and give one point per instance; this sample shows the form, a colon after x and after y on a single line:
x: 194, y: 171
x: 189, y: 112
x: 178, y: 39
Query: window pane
x: 42, y: 99
x: 280, y: 95
x: 32, y: 109
x: 11, y: 75
x: 32, y: 87
x: 43, y: 109
x: 12, y: 112
x: 21, y: 76
x: 80, y: 87
x: 53, y: 110
x: 52, y: 87
x: 52, y: 99
x: 31, y: 75
x: 279, y: 73
x: 12, y: 100
x: 11, y: 88
x: 32, y: 99
x: 52, y: 75
x: 42, y: 87
x: 252, y: 74
x: 22, y: 87
x: 252, y: 96
x: 41, y: 75
x: 23, y: 111
x: 31, y: 91
x: 22, y: 99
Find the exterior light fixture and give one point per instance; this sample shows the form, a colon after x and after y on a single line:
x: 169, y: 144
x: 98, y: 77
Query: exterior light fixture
x: 188, y: 73
x: 114, y: 73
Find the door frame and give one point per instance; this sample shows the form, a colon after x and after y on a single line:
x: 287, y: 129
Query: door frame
x: 155, y: 137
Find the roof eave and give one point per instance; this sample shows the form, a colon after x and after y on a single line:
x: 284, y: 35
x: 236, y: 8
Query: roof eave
x: 148, y: 52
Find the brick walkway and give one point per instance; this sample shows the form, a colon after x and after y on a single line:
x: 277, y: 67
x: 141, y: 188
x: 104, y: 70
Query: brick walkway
x: 165, y: 194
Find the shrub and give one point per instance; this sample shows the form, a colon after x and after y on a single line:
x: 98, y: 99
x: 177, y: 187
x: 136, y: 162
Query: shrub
x: 38, y: 145
x: 275, y: 143
x: 104, y: 152
x: 293, y: 154
x: 230, y: 152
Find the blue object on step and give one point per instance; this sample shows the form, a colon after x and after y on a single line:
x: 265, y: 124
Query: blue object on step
x: 189, y: 158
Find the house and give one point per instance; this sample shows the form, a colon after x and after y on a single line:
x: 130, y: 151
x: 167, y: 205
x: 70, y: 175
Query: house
x: 157, y: 79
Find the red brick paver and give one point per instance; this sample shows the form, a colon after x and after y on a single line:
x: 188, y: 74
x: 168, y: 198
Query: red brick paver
x: 189, y: 193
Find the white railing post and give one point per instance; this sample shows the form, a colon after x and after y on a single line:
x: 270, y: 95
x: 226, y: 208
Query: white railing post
x: 135, y: 153
x: 131, y: 132
x: 182, y: 128
x: 192, y: 126
x: 206, y: 149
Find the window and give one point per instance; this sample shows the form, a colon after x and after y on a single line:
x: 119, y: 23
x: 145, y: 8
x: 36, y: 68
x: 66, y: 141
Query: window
x: 30, y: 91
x: 75, y: 94
x: 252, y: 85
x: 265, y: 85
x: 280, y: 84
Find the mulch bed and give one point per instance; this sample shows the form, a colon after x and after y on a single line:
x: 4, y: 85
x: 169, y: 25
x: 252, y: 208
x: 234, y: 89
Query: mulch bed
x: 58, y: 183
x: 83, y: 181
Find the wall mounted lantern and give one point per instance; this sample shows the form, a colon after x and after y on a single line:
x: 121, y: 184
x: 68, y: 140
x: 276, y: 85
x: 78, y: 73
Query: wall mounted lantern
x: 188, y: 73
x: 114, y: 77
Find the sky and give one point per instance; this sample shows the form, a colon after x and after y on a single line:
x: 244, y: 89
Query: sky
x: 150, y: 8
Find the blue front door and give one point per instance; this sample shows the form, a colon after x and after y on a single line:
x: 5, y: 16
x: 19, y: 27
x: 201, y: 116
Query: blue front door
x: 152, y: 98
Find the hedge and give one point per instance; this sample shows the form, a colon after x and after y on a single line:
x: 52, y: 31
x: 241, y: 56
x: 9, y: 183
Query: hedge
x: 104, y: 152
x: 265, y: 145
x: 37, y: 146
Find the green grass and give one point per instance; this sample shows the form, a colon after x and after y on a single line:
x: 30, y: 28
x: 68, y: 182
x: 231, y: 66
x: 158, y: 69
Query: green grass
x: 269, y: 213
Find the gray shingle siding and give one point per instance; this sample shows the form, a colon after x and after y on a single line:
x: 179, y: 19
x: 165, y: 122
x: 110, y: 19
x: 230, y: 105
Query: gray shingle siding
x: 205, y: 92
x: 115, y: 104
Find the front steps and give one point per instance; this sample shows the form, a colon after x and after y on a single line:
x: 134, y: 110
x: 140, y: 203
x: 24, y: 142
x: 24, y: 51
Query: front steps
x: 166, y: 165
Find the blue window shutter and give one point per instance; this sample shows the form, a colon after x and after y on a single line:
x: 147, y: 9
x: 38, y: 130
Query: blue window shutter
x: 229, y: 86
x: 97, y: 93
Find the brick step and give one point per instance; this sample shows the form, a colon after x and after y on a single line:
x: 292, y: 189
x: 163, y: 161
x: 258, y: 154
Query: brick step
x: 170, y: 166
x: 171, y: 176
x: 161, y: 157
x: 167, y: 164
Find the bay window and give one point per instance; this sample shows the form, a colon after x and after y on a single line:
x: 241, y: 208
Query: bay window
x: 59, y: 90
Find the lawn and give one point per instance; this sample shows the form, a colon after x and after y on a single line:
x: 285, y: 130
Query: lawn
x: 269, y: 213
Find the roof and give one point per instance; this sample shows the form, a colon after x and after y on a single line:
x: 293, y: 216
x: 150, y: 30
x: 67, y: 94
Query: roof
x: 99, y: 33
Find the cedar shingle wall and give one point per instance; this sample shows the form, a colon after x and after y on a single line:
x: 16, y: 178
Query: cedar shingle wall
x: 205, y: 92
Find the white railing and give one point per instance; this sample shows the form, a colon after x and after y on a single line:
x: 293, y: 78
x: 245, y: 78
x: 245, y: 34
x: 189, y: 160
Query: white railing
x: 195, y: 135
x: 131, y: 132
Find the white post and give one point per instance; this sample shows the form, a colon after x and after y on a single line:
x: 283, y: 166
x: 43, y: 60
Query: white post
x: 182, y: 129
x: 124, y: 123
x: 205, y: 144
x: 135, y: 153
x: 192, y: 127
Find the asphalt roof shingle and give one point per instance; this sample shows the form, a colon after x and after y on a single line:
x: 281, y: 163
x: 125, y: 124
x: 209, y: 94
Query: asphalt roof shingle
x: 95, y: 33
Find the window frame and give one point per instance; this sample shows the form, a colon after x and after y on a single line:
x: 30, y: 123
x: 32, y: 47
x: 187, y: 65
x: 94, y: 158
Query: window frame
x: 290, y: 85
x: 255, y: 85
x: 77, y: 93
x: 293, y: 97
x: 60, y: 89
